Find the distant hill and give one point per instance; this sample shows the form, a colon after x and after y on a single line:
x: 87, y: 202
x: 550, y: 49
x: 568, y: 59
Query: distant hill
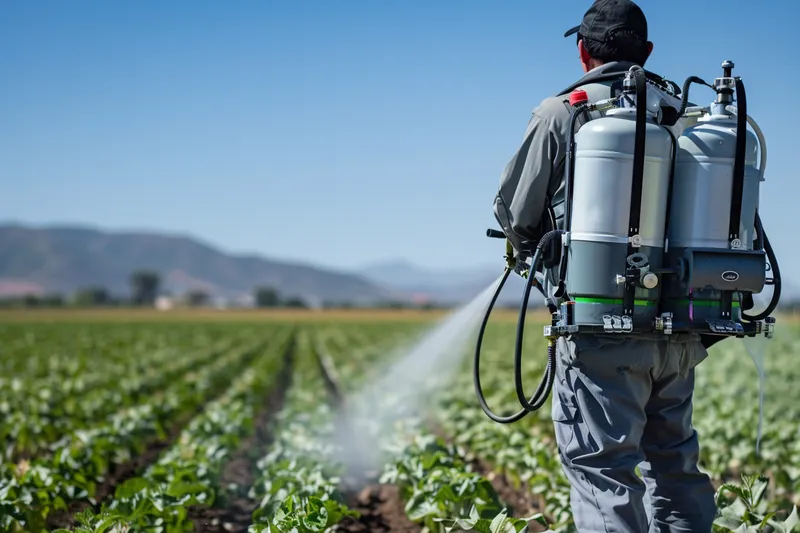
x: 63, y: 259
x: 451, y: 286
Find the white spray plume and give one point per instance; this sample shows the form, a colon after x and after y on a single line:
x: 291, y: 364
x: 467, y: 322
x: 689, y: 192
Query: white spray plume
x: 399, y: 391
x: 757, y: 348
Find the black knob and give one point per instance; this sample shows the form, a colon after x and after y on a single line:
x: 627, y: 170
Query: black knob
x: 495, y: 234
x: 727, y: 68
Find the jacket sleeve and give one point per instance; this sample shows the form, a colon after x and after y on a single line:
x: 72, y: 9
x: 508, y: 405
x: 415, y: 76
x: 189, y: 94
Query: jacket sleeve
x: 525, y: 182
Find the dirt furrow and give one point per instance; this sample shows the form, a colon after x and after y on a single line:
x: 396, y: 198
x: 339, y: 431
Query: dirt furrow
x: 381, y: 509
x: 233, y: 511
x: 380, y: 506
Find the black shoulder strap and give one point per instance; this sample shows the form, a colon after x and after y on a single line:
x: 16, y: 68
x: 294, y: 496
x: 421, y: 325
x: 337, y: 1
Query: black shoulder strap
x: 619, y: 76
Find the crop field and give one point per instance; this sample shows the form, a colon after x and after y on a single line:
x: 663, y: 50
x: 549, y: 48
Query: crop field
x: 237, y: 422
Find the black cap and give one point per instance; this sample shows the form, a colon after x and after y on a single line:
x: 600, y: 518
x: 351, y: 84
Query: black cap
x: 607, y: 15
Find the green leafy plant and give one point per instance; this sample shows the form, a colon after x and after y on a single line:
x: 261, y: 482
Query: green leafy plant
x: 749, y: 510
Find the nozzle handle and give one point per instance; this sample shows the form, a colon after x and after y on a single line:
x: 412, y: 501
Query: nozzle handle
x: 496, y: 234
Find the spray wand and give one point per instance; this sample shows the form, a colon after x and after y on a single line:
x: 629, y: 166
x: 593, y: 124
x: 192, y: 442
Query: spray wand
x: 546, y: 383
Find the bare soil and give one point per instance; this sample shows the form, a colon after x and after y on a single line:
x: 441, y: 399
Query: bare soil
x: 381, y: 508
x: 235, y: 513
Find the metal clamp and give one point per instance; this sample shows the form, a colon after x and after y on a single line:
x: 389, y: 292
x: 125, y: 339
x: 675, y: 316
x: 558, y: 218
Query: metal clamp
x: 627, y: 324
x: 617, y: 324
x: 635, y: 240
x: 664, y: 323
x: 769, y: 327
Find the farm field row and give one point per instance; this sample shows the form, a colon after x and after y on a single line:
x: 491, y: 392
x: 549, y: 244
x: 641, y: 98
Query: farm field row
x: 281, y: 425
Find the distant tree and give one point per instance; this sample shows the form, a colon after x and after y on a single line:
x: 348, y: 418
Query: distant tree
x: 296, y: 303
x: 266, y: 297
x: 144, y: 287
x: 338, y: 305
x: 391, y: 304
x: 197, y: 298
x: 91, y: 297
x: 53, y: 300
x: 31, y: 300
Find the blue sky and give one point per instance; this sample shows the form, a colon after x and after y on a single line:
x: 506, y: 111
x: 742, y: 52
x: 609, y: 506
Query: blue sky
x: 335, y: 132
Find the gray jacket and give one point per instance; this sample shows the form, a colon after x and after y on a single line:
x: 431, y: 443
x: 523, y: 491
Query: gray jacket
x: 533, y: 181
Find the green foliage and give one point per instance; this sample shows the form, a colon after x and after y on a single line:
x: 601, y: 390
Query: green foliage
x: 73, y: 466
x: 297, y: 484
x: 91, y: 296
x: 749, y: 511
x: 78, y: 401
x: 266, y: 297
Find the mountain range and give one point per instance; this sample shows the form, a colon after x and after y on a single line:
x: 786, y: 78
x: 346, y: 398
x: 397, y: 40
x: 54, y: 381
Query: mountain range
x: 39, y: 260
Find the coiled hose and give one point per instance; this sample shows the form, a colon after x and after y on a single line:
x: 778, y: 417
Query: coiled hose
x: 776, y: 274
x: 546, y: 382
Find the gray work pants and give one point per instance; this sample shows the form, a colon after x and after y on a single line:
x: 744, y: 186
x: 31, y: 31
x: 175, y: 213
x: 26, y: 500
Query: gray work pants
x: 623, y: 402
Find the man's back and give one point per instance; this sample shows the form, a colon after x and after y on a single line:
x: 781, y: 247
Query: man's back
x: 619, y: 402
x: 534, y: 178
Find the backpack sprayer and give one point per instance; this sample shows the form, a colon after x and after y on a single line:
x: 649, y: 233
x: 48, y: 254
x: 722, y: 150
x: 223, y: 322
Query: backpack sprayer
x: 660, y: 234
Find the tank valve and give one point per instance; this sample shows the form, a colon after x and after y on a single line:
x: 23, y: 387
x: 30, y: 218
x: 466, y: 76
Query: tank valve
x: 725, y: 85
x: 727, y: 68
x: 649, y: 280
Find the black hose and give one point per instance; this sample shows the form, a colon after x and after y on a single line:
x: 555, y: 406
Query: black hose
x: 476, y: 374
x: 546, y: 383
x: 685, y: 95
x: 737, y: 193
x: 550, y: 371
x: 776, y: 275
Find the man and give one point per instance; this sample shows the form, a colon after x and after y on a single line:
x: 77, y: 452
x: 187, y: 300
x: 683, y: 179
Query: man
x: 618, y: 402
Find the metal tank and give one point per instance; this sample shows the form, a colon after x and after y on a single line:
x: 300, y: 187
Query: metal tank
x: 598, y: 245
x: 714, y: 267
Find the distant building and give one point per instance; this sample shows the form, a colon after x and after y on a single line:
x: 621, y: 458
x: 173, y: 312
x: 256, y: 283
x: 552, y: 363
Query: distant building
x: 165, y: 303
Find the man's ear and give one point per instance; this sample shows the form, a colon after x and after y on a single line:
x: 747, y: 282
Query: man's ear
x: 649, y: 48
x: 584, y: 56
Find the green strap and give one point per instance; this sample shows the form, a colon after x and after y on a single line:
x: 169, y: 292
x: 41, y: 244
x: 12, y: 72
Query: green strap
x: 648, y: 303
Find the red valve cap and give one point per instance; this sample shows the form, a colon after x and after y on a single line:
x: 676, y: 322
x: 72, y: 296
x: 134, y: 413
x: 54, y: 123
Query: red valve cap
x: 578, y: 96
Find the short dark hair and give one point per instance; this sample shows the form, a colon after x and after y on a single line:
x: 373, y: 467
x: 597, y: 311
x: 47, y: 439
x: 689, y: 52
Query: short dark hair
x: 622, y: 45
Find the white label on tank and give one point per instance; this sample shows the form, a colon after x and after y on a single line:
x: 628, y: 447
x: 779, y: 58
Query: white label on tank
x: 730, y: 275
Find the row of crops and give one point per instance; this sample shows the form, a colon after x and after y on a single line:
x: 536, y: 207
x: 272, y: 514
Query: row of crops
x: 279, y: 427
